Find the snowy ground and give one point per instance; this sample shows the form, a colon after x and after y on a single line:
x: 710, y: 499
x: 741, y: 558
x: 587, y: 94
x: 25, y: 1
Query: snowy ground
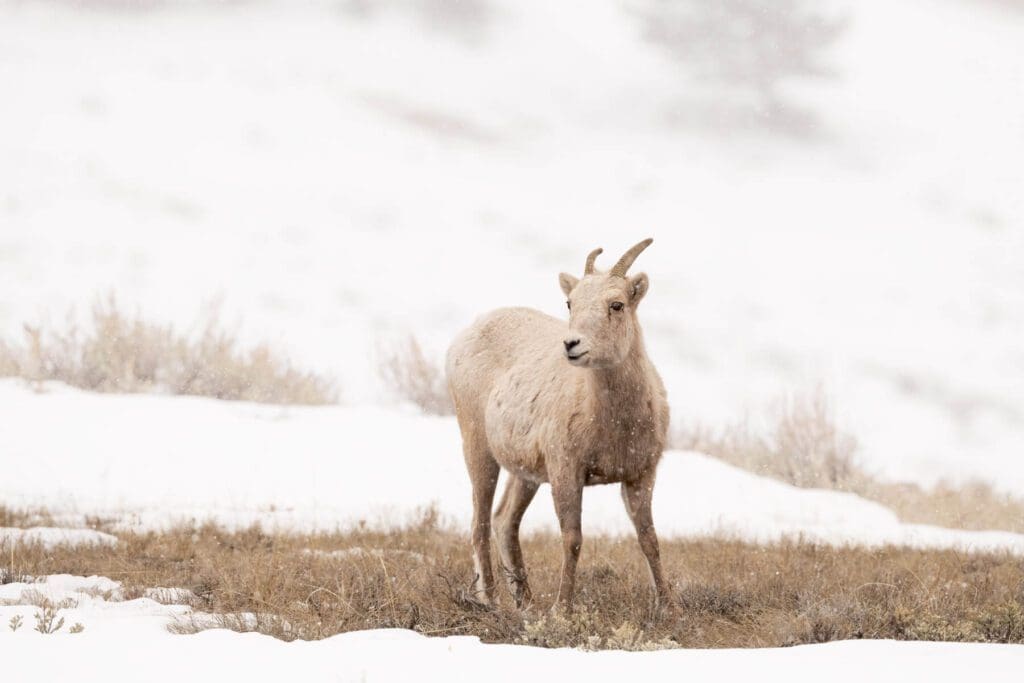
x: 125, y: 640
x: 49, y: 536
x: 153, y: 460
x: 338, y: 179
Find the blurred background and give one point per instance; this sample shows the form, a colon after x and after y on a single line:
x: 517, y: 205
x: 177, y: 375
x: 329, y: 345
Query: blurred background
x: 834, y: 189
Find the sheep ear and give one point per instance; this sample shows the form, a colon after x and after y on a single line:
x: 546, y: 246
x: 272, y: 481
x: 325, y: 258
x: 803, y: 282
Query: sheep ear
x: 638, y: 287
x: 568, y: 282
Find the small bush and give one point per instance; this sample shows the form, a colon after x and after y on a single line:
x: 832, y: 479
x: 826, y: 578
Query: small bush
x: 47, y: 621
x: 632, y: 638
x: 25, y: 517
x: 408, y: 372
x: 1004, y: 624
x: 579, y: 630
x: 122, y: 354
x: 972, y: 505
x: 586, y: 630
x: 806, y: 448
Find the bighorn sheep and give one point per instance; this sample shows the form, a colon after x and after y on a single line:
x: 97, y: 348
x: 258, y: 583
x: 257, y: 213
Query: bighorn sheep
x: 573, y: 405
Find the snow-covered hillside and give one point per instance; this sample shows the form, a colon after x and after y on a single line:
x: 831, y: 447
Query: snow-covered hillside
x: 339, y: 178
x: 340, y: 173
x: 150, y: 461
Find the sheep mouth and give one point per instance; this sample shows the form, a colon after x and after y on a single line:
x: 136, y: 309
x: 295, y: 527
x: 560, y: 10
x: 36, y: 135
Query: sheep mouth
x: 573, y: 359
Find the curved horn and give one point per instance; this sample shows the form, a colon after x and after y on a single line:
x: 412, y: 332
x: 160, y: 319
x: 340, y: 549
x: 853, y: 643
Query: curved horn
x: 627, y: 259
x: 591, y: 257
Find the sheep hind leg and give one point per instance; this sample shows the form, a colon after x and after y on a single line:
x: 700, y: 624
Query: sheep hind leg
x: 507, y: 518
x: 483, y: 473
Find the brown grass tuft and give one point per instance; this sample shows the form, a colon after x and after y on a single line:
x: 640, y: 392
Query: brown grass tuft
x: 806, y: 448
x: 974, y: 505
x: 730, y: 594
x: 408, y: 372
x: 122, y: 354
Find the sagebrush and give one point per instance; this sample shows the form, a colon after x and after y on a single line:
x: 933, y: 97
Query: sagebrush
x: 411, y: 375
x: 804, y: 446
x: 117, y: 353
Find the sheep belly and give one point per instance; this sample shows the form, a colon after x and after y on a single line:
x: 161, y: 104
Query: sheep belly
x: 522, y: 426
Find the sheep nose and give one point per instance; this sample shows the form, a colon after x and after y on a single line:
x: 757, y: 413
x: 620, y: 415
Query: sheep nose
x: 570, y: 343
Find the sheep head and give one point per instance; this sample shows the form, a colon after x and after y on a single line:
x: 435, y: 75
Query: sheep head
x: 602, y: 311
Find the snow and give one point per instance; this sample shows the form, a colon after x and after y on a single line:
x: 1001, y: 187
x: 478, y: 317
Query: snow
x: 150, y: 461
x: 338, y: 180
x: 95, y: 602
x: 121, y: 639
x: 51, y: 536
x: 61, y: 588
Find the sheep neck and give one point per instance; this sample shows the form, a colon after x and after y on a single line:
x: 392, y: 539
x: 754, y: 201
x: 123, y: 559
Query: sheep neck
x: 622, y: 389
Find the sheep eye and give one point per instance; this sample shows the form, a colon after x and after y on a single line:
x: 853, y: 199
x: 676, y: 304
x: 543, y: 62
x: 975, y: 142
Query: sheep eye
x: 616, y: 305
x: 568, y: 305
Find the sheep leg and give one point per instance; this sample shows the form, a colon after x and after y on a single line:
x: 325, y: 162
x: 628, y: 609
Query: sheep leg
x: 568, y: 497
x: 518, y: 494
x: 637, y: 497
x: 483, y: 472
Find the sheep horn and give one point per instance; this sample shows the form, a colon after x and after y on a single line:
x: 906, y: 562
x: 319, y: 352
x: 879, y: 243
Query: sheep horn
x: 627, y: 259
x: 591, y: 257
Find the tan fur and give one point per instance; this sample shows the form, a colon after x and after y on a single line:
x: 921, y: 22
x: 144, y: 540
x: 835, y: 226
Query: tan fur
x: 545, y: 409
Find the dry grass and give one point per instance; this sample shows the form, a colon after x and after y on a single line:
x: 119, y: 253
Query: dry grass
x: 118, y: 353
x: 730, y: 594
x: 805, y: 448
x: 24, y: 518
x: 408, y: 372
x: 974, y: 505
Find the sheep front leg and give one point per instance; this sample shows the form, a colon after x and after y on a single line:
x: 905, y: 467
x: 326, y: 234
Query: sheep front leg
x: 568, y: 497
x: 637, y: 497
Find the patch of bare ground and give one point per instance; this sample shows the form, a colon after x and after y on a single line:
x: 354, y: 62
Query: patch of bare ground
x: 119, y: 353
x: 729, y: 594
x: 803, y: 446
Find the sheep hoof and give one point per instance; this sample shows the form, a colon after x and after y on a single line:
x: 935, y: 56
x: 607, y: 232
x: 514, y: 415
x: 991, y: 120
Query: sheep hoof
x: 667, y: 610
x: 521, y: 594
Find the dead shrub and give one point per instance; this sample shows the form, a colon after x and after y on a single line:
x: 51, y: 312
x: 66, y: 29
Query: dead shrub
x: 974, y: 505
x: 714, y: 600
x: 408, y: 372
x: 578, y: 630
x: 122, y: 354
x: 9, y: 366
x: 1003, y: 624
x: 24, y: 517
x: 804, y: 447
